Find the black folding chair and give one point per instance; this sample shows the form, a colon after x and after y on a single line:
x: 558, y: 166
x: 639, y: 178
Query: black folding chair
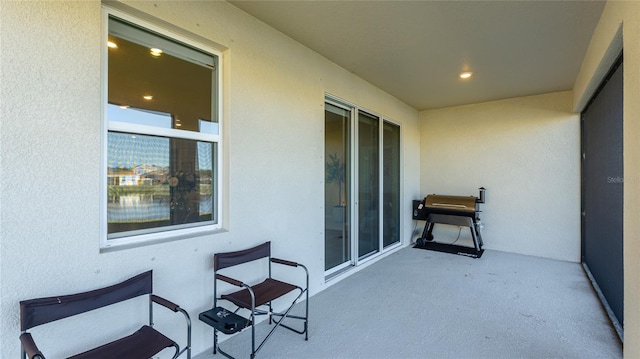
x: 143, y: 344
x: 253, y: 296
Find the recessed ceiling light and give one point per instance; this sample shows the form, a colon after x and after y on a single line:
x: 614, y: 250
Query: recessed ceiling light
x: 465, y: 75
x: 112, y: 45
x: 155, y: 52
x: 124, y: 107
x: 147, y: 97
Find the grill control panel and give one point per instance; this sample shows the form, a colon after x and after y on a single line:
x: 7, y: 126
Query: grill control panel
x: 418, y: 210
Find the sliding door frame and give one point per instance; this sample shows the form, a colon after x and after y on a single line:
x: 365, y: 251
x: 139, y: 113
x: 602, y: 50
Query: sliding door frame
x: 353, y: 185
x: 349, y: 186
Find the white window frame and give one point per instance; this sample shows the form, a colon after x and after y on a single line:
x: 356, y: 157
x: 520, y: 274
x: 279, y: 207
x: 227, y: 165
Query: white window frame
x: 106, y: 126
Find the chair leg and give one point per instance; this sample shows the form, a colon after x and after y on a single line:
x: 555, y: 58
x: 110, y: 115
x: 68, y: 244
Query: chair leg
x: 306, y: 317
x: 215, y: 341
x: 253, y: 334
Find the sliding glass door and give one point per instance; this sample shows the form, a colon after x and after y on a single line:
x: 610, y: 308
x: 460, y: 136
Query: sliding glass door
x: 368, y: 185
x: 337, y: 134
x: 391, y: 185
x: 362, y: 185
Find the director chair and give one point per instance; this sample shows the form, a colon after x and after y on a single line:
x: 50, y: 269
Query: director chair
x: 251, y: 297
x: 145, y: 343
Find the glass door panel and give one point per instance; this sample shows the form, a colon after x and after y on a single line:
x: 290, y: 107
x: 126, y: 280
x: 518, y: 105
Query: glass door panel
x: 391, y: 184
x: 337, y: 195
x: 368, y: 185
x: 362, y: 185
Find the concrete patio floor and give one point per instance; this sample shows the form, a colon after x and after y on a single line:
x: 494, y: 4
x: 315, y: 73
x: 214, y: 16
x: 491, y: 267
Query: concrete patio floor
x: 423, y: 304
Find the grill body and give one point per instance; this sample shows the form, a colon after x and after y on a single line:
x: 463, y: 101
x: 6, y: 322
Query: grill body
x: 451, y: 205
x: 453, y: 210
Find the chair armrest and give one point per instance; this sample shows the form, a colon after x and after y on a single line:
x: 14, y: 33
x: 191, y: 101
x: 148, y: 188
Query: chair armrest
x: 293, y: 264
x: 175, y: 308
x: 30, y: 347
x: 285, y: 262
x: 165, y: 303
x: 230, y: 280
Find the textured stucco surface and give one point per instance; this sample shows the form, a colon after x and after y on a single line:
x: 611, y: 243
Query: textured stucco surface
x: 273, y: 121
x: 526, y: 153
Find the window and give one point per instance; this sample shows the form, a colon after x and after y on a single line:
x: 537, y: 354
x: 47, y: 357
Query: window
x: 162, y: 134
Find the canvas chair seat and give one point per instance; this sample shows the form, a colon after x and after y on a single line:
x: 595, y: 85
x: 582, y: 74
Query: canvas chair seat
x: 144, y: 343
x: 264, y: 292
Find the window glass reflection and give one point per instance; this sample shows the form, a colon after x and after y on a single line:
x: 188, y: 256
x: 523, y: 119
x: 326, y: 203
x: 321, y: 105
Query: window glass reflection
x: 155, y: 182
x: 150, y: 75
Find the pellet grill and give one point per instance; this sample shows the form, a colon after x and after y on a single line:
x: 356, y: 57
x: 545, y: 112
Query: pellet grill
x: 463, y: 211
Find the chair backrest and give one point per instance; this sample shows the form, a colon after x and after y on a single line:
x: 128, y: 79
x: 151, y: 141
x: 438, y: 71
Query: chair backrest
x: 229, y: 259
x: 39, y: 311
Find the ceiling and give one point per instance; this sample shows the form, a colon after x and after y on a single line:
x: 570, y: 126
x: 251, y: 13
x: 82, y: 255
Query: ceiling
x: 415, y: 50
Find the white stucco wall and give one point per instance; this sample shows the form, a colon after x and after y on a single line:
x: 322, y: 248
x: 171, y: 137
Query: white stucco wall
x: 526, y: 153
x: 50, y: 163
x: 619, y: 28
